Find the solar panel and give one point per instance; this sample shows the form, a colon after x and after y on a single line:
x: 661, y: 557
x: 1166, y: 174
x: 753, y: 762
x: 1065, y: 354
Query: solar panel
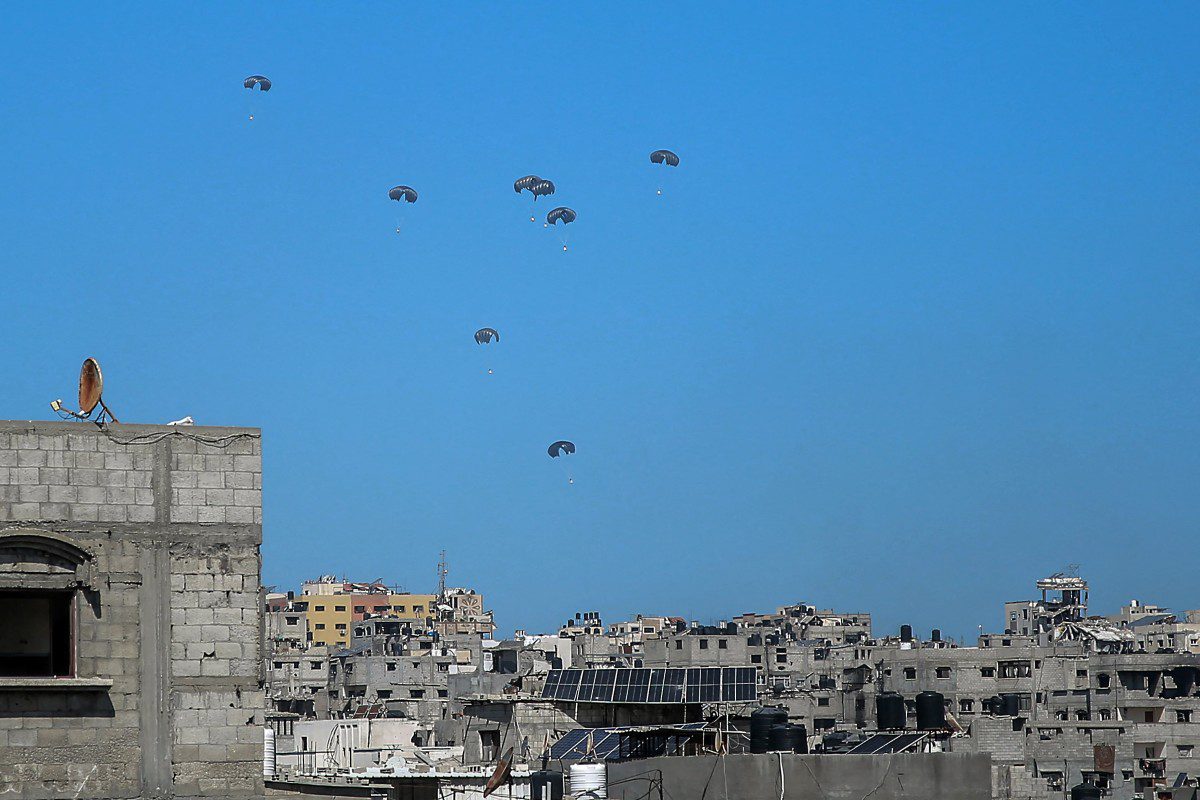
x: 882, y: 743
x: 568, y: 684
x: 639, y: 685
x: 551, y: 685
x: 606, y: 743
x: 660, y: 685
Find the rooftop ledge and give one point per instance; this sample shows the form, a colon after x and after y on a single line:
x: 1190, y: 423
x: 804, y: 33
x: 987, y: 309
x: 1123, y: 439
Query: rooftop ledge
x: 55, y: 684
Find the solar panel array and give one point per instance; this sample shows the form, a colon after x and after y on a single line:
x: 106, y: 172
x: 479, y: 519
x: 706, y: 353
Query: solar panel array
x: 605, y: 743
x: 669, y: 685
x: 882, y: 743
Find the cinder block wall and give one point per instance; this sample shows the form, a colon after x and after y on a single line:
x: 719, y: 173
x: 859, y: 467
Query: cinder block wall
x: 171, y: 522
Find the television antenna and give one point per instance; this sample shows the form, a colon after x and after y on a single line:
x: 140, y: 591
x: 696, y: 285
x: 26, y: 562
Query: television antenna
x: 91, y: 390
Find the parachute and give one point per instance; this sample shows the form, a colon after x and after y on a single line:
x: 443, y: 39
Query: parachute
x: 567, y: 216
x: 526, y: 183
x: 535, y: 186
x: 406, y: 193
x: 485, y: 335
x: 561, y: 448
x: 664, y: 157
x: 261, y: 81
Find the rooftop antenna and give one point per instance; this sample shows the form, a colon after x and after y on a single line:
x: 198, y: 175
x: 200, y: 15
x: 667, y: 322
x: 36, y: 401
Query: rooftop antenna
x: 442, y: 571
x: 91, y: 389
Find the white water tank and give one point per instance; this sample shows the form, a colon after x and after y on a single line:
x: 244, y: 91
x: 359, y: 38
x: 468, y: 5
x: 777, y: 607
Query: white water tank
x: 268, y: 753
x: 590, y: 781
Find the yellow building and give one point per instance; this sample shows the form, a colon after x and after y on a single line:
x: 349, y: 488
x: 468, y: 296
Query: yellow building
x: 420, y: 608
x: 330, y: 613
x: 328, y: 618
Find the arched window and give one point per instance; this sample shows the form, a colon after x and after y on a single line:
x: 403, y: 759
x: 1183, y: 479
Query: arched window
x: 41, y: 575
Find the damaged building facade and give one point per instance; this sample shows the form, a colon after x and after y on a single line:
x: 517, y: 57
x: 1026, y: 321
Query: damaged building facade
x: 129, y: 590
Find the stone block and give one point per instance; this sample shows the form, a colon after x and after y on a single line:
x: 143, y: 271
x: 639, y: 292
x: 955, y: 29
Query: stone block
x: 210, y: 514
x: 35, y: 494
x: 140, y: 513
x: 31, y: 458
x: 54, y: 476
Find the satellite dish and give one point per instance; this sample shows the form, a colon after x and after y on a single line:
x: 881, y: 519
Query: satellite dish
x: 91, y: 385
x: 91, y: 389
x: 501, y: 775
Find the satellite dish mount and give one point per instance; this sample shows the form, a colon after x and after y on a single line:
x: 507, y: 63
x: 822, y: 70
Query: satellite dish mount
x: 91, y: 390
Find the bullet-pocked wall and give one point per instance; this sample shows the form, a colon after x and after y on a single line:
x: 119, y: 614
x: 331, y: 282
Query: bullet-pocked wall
x: 130, y: 636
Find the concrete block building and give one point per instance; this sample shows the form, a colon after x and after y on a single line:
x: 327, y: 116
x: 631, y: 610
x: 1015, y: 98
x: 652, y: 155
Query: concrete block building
x: 130, y: 634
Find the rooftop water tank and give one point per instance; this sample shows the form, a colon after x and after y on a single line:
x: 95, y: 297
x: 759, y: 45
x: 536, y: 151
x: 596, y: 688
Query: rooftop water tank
x: 589, y: 781
x: 546, y: 784
x: 890, y: 713
x: 761, y: 722
x: 931, y: 711
x: 799, y: 738
x: 780, y: 739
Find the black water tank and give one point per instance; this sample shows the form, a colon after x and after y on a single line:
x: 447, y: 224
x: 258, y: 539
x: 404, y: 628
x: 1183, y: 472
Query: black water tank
x: 546, y: 784
x: 799, y: 739
x: 761, y: 722
x: 1086, y: 791
x: 906, y: 633
x: 994, y: 705
x: 931, y: 711
x: 780, y: 739
x: 890, y: 713
x: 1010, y: 705
x: 936, y: 635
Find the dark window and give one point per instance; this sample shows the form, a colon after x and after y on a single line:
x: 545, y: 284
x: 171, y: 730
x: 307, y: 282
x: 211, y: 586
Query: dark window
x: 416, y: 694
x: 359, y: 609
x: 755, y: 659
x: 443, y: 693
x: 320, y: 626
x: 1183, y: 716
x: 722, y: 644
x: 384, y: 694
x: 987, y: 672
x: 943, y: 672
x: 320, y: 608
x: 391, y: 666
x: 704, y: 644
x: 339, y: 608
x: 489, y: 745
x: 1103, y: 680
x: 910, y: 673
x: 35, y: 634
x: 822, y: 701
x: 679, y: 644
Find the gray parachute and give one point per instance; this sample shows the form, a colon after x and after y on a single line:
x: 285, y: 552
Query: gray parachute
x: 526, y: 183
x: 664, y: 157
x: 486, y: 335
x: 561, y: 448
x: 562, y: 213
x: 405, y: 193
x: 261, y: 81
x: 534, y: 185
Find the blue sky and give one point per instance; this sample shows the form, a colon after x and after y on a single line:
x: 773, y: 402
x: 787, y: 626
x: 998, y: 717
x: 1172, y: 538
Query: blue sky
x: 914, y: 323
